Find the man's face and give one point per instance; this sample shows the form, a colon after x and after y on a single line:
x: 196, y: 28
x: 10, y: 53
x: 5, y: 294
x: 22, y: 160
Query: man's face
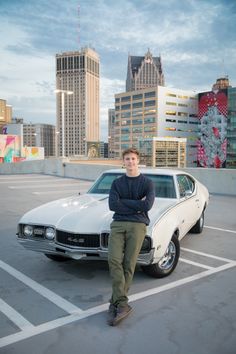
x: 131, y: 162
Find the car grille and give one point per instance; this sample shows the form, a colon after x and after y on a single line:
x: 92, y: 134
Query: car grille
x: 78, y: 240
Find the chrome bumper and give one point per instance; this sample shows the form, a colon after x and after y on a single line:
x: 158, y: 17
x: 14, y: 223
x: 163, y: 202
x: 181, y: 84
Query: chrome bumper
x: 50, y: 247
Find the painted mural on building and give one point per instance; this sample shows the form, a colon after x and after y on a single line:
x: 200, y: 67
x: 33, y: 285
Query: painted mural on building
x: 212, y: 144
x: 33, y: 153
x: 9, y: 148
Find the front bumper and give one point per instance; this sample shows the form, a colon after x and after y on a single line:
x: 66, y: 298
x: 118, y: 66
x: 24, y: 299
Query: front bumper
x: 42, y: 245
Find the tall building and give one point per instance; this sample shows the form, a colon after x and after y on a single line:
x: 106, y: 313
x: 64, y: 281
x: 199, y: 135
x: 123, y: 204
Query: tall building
x: 5, y: 113
x: 111, y: 132
x: 77, y: 113
x: 144, y: 72
x: 221, y: 83
x: 231, y: 129
x: 40, y: 135
x: 213, y: 114
x: 156, y: 112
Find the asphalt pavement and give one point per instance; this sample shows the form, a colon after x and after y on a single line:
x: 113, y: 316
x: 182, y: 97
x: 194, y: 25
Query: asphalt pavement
x: 54, y: 308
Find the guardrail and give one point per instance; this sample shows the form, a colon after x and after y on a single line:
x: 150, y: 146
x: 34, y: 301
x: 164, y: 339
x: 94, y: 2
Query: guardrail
x: 218, y: 181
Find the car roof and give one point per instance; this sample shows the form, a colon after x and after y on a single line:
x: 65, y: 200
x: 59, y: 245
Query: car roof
x: 151, y: 171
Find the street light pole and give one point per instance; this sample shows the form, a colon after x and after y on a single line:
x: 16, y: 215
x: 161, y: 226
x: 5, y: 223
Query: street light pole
x: 63, y: 92
x: 63, y: 122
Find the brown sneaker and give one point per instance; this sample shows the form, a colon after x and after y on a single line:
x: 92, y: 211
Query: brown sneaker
x: 111, y: 314
x: 121, y: 313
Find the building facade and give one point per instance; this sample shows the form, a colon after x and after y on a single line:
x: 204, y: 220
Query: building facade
x: 163, y: 152
x: 78, y: 113
x: 213, y: 114
x: 156, y: 112
x: 40, y: 135
x: 231, y: 129
x: 144, y: 72
x: 5, y: 113
x: 111, y: 133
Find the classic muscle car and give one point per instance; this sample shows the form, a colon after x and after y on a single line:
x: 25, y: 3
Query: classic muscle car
x: 78, y: 227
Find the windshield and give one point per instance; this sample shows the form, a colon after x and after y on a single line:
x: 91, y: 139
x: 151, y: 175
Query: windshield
x: 164, y: 184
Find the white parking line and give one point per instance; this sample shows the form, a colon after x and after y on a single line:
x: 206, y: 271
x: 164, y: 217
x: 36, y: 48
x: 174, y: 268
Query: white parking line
x: 14, y: 316
x: 196, y: 264
x: 33, y: 181
x: 40, y: 289
x: 40, y: 186
x: 207, y: 255
x: 13, y: 338
x: 219, y: 229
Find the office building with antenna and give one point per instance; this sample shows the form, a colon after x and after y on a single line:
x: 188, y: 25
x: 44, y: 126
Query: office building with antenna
x: 77, y: 99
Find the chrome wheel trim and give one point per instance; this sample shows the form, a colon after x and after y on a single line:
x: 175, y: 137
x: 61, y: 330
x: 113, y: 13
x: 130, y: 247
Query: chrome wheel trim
x: 168, y: 259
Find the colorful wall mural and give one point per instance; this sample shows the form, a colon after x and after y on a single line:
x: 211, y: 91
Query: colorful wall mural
x: 212, y: 144
x: 33, y: 153
x: 10, y: 147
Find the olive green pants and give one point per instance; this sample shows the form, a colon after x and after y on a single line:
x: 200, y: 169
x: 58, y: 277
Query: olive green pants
x: 125, y: 243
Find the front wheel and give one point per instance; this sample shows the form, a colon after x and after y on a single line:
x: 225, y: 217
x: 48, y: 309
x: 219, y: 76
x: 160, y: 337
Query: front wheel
x: 167, y: 263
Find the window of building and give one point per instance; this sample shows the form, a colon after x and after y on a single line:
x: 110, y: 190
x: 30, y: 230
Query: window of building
x: 170, y: 129
x: 149, y: 129
x: 137, y: 97
x: 182, y: 105
x: 150, y: 94
x: 137, y: 121
x: 117, y: 100
x: 125, y: 99
x: 125, y: 115
x: 171, y: 113
x: 171, y: 103
x: 148, y: 120
x: 125, y: 106
x: 185, y: 97
x: 171, y: 120
x: 125, y: 137
x: 182, y: 114
x: 137, y: 104
x: 170, y: 94
x: 149, y: 103
x: 137, y: 130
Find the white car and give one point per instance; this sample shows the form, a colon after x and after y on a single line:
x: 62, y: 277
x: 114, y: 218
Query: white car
x: 78, y: 227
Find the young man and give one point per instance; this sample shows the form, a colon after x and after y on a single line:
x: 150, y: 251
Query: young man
x: 131, y: 197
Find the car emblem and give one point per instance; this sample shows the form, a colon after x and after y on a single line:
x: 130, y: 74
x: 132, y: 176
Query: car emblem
x: 76, y: 240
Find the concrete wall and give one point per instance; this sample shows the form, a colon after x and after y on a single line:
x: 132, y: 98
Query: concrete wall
x: 218, y: 181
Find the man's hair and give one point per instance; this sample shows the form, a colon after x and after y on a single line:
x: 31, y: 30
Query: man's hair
x: 130, y: 151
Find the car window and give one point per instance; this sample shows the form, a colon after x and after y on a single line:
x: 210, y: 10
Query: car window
x: 164, y: 184
x: 186, y: 185
x: 103, y: 184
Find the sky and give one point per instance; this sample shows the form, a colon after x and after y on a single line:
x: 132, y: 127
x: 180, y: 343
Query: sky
x: 195, y: 38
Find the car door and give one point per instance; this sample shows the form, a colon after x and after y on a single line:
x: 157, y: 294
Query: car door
x: 189, y: 206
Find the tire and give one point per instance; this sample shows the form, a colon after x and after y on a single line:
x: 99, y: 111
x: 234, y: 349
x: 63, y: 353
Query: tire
x: 167, y: 263
x: 56, y: 258
x: 198, y: 227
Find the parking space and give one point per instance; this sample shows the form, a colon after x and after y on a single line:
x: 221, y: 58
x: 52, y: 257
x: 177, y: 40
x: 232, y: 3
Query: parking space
x: 39, y: 298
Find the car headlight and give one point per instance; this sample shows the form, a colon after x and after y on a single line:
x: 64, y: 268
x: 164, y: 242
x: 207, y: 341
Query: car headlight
x: 50, y: 233
x: 146, y: 246
x: 28, y: 230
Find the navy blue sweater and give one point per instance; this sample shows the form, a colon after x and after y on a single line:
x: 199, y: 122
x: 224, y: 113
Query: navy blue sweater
x: 131, y: 198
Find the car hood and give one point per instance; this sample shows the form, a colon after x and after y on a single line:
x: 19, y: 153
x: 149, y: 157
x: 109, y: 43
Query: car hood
x: 88, y: 213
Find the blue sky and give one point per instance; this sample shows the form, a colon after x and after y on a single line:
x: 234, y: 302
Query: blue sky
x: 196, y: 40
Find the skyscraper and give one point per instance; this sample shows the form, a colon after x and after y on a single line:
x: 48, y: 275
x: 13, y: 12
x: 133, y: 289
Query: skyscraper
x: 144, y: 72
x: 77, y: 83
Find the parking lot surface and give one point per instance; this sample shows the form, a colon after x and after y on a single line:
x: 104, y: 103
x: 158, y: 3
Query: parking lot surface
x: 50, y: 307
